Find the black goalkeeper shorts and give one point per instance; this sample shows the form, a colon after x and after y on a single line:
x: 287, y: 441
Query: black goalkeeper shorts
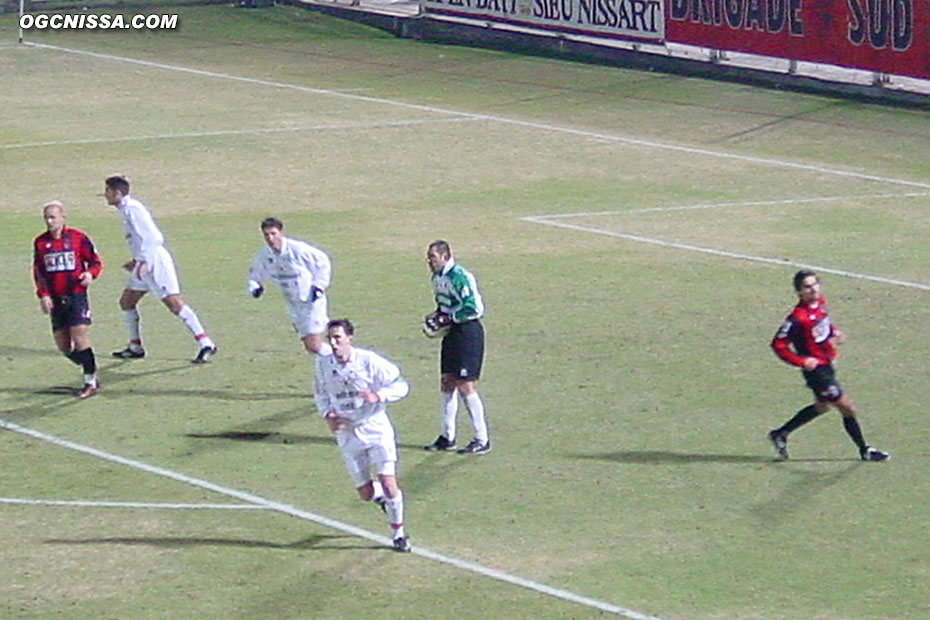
x: 463, y: 351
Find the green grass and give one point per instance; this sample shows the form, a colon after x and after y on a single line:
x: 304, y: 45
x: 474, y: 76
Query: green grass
x: 629, y: 385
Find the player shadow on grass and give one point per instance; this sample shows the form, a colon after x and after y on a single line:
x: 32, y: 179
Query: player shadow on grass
x: 434, y: 470
x: 33, y: 410
x: 276, y: 437
x: 262, y: 429
x: 17, y: 352
x: 803, y: 485
x: 311, y: 543
x: 109, y: 375
x: 664, y: 457
x: 265, y: 437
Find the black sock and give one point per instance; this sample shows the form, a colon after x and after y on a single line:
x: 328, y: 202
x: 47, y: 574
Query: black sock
x: 855, y: 433
x: 801, y: 418
x: 85, y: 358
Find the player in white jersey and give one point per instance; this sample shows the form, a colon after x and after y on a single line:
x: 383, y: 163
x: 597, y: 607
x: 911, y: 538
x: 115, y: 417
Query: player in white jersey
x: 302, y: 272
x: 352, y: 387
x: 151, y: 268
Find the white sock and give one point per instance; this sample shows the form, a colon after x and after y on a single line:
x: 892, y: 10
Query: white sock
x: 448, y: 409
x: 378, y: 490
x: 131, y: 318
x: 476, y: 411
x: 190, y: 320
x: 90, y: 379
x: 395, y: 513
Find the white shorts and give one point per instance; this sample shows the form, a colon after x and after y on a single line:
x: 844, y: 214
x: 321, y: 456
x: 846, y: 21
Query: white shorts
x: 308, y: 318
x: 368, y: 444
x: 158, y: 276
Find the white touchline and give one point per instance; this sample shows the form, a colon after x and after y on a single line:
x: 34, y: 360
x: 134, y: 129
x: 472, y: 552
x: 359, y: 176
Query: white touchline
x: 327, y: 522
x: 488, y: 117
x: 90, y: 504
x: 237, y: 132
x: 545, y: 220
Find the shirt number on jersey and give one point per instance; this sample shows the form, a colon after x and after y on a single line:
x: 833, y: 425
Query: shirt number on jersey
x: 60, y: 261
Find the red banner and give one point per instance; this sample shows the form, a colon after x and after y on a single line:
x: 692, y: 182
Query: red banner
x: 887, y: 36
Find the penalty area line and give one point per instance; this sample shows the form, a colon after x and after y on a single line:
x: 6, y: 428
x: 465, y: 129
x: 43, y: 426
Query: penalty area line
x: 327, y: 522
x: 546, y: 221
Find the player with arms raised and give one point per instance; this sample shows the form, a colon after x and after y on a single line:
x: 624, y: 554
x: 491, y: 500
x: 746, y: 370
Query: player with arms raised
x: 64, y: 264
x: 806, y: 340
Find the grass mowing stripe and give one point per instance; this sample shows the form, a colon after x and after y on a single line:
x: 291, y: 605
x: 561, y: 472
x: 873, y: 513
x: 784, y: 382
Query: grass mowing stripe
x: 487, y: 117
x: 724, y: 205
x: 331, y: 523
x: 90, y: 504
x: 545, y: 220
x: 235, y: 132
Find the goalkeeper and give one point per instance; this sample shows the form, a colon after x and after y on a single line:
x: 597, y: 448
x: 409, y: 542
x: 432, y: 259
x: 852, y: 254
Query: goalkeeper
x: 302, y: 272
x: 458, y: 309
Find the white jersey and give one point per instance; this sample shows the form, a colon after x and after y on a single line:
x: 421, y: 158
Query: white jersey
x: 141, y: 232
x: 337, y: 385
x: 298, y: 267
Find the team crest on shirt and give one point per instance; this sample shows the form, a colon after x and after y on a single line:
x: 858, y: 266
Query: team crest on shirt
x: 821, y: 331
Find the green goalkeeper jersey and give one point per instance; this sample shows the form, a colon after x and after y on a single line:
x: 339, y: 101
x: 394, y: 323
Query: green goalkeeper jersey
x: 456, y: 293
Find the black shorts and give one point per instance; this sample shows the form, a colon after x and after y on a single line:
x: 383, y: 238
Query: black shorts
x: 69, y: 311
x: 463, y: 351
x: 823, y: 383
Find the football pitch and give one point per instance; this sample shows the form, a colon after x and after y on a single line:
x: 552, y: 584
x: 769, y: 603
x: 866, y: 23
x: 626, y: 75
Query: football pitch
x: 634, y: 236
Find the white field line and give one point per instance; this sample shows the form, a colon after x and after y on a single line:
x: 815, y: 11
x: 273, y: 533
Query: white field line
x: 487, y: 117
x: 90, y: 504
x: 235, y: 132
x: 722, y: 205
x: 330, y: 523
x: 547, y: 221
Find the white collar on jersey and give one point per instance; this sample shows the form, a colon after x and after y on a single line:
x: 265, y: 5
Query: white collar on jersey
x: 284, y: 242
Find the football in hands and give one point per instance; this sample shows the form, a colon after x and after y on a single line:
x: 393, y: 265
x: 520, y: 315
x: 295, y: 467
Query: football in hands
x: 436, y: 324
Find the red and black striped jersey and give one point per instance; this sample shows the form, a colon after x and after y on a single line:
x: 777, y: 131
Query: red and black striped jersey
x: 806, y: 332
x: 57, y: 264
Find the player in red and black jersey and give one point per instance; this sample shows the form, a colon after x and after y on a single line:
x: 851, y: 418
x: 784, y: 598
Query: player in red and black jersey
x: 64, y: 264
x: 807, y: 340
